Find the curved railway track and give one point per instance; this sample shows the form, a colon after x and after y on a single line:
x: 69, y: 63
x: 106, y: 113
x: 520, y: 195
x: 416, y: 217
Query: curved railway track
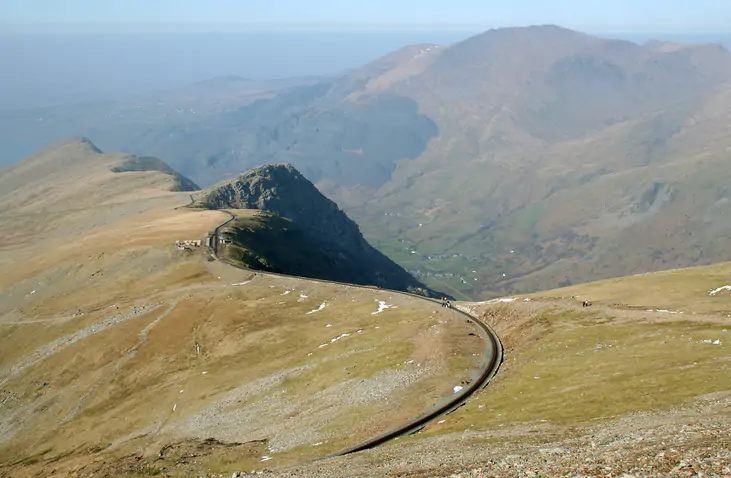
x: 492, y: 356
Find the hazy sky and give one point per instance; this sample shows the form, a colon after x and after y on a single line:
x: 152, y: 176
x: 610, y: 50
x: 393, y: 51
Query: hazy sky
x: 678, y: 16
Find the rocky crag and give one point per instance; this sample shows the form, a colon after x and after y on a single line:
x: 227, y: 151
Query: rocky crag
x: 302, y: 232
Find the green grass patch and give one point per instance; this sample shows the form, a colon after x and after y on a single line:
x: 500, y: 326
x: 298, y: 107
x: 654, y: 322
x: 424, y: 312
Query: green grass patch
x: 580, y: 373
x: 687, y: 290
x: 363, y: 365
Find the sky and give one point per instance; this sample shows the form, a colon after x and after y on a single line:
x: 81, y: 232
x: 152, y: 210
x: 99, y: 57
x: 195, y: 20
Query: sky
x: 620, y: 16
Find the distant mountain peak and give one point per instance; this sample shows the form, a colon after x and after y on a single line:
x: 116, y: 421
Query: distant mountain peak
x: 532, y: 30
x: 223, y: 79
x: 78, y: 141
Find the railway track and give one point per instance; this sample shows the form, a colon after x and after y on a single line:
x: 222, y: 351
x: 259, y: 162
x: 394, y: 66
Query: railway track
x: 492, y: 356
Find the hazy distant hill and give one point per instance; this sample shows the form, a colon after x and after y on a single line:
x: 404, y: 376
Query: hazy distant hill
x: 135, y: 124
x: 574, y: 152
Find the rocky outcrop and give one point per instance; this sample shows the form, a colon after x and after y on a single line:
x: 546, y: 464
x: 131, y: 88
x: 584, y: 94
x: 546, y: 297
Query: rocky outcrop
x: 282, y: 191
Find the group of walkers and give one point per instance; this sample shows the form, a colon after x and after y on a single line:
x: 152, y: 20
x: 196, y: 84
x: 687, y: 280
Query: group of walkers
x: 446, y: 303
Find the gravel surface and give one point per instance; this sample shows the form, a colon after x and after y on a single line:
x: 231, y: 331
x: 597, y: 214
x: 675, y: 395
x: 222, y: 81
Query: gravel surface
x: 227, y: 420
x: 693, y: 441
x: 14, y: 410
x: 286, y: 422
x: 358, y: 391
x: 63, y: 342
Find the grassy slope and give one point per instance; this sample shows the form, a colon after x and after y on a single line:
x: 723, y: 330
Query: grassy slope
x: 632, y: 351
x: 100, y: 316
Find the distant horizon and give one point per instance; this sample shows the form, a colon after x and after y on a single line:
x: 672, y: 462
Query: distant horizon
x: 54, y: 68
x: 618, y: 16
x: 113, y: 28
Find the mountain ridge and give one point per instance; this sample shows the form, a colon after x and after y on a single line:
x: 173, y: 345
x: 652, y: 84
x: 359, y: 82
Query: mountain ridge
x: 331, y: 243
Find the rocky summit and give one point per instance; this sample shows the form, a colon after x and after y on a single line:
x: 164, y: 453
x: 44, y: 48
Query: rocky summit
x: 304, y: 233
x: 282, y: 190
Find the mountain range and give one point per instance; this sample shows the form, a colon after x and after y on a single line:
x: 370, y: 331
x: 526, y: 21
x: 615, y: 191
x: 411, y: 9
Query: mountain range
x: 127, y: 349
x: 517, y: 160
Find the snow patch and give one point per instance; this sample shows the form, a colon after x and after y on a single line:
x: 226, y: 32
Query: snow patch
x: 302, y: 297
x: 383, y: 306
x: 664, y: 311
x: 712, y: 342
x: 286, y: 292
x: 457, y: 388
x: 266, y: 458
x: 507, y: 299
x: 322, y: 306
x: 242, y: 283
x: 716, y: 291
x: 339, y: 337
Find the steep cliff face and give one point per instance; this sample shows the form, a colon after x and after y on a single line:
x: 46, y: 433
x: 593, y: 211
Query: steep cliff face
x: 304, y: 233
x: 282, y: 190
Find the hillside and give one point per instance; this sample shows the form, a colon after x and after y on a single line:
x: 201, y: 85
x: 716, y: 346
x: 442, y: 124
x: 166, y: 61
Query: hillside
x: 304, y: 234
x: 545, y: 167
x: 75, y: 172
x: 634, y: 385
x: 122, y: 354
